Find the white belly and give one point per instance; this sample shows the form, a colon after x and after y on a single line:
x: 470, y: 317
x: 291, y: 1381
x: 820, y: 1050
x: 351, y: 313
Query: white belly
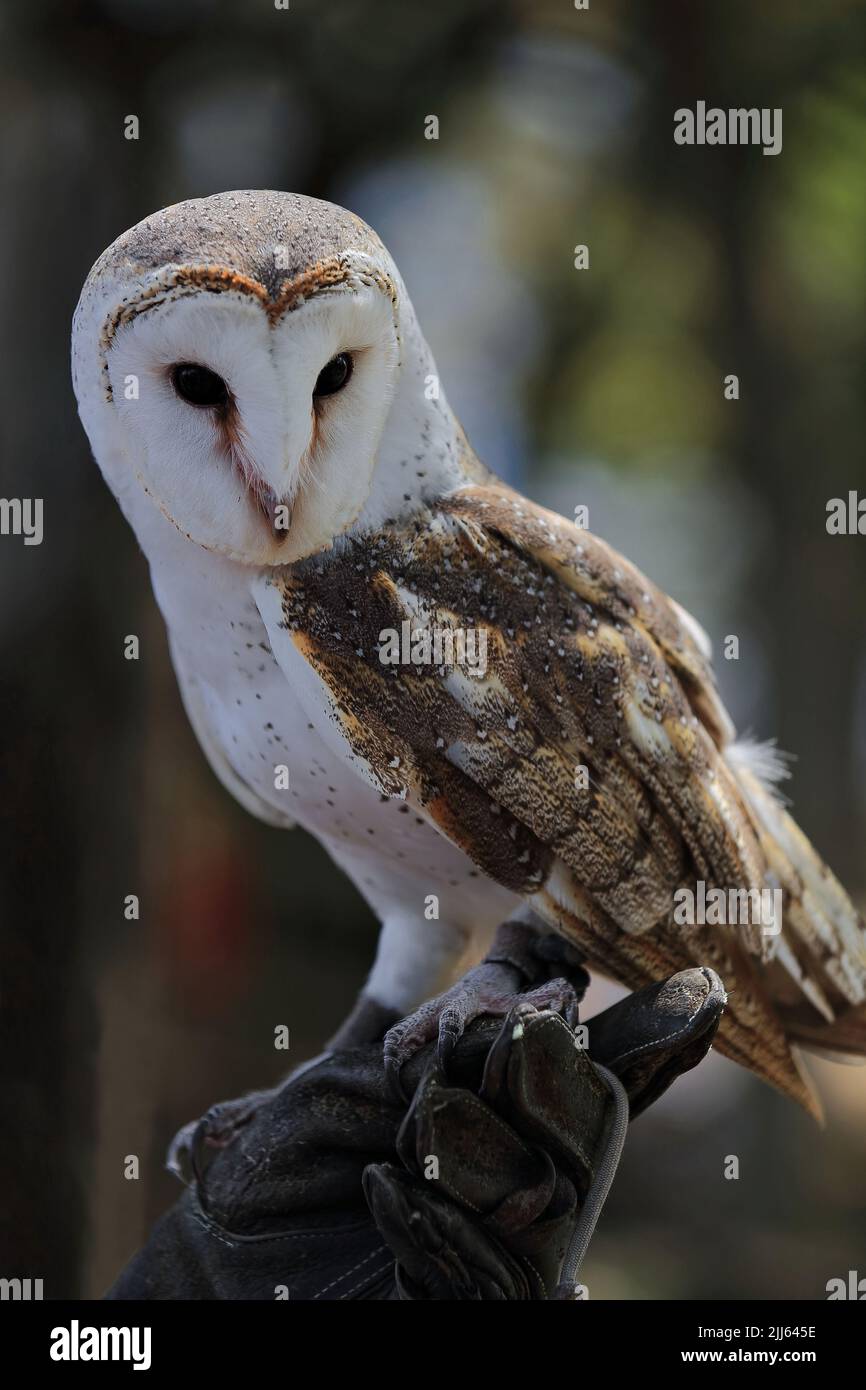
x: 252, y: 722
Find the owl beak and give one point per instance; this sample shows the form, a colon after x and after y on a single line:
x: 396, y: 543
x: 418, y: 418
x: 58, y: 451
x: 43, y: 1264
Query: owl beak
x: 276, y: 511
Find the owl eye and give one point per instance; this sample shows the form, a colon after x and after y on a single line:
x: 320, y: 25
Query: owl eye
x: 198, y: 385
x: 334, y: 376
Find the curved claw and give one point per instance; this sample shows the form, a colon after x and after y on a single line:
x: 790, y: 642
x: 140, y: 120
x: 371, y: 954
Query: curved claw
x: 452, y: 1025
x: 178, y: 1155
x: 484, y: 991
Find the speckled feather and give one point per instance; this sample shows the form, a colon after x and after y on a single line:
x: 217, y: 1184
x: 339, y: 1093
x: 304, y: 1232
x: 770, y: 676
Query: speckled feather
x: 237, y: 233
x: 588, y: 664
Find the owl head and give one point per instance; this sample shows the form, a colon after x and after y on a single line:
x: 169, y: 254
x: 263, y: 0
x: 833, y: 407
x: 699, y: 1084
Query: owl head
x: 236, y: 359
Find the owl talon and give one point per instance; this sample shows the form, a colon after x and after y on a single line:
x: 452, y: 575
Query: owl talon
x: 493, y: 989
x: 196, y: 1142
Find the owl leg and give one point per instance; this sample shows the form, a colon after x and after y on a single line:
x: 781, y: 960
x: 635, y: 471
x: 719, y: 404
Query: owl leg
x: 413, y: 960
x: 519, y: 958
x: 368, y: 1021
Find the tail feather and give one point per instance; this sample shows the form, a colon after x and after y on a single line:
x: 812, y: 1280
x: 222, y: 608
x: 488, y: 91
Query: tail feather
x: 750, y: 1031
x: 817, y: 979
x: 847, y: 1035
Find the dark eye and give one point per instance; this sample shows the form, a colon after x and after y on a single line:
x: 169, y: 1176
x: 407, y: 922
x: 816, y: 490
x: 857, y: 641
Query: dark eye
x: 334, y: 377
x: 198, y: 385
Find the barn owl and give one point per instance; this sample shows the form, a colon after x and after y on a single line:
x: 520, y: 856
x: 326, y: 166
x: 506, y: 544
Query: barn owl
x: 261, y: 401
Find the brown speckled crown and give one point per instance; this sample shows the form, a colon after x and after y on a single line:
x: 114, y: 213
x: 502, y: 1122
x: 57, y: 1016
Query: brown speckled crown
x: 241, y: 231
x: 229, y: 242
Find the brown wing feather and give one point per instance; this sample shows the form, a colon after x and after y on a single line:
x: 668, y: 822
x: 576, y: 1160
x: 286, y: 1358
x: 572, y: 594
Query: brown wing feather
x: 588, y: 665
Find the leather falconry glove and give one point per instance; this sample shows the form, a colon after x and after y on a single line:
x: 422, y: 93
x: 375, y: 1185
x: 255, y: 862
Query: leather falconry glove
x: 487, y: 1185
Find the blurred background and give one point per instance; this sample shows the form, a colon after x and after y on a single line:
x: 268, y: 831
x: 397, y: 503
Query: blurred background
x: 601, y: 387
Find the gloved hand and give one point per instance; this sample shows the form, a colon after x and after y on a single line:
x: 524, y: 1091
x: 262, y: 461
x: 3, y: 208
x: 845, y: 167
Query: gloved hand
x: 330, y: 1188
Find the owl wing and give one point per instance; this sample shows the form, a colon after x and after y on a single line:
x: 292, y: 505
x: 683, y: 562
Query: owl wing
x: 572, y: 749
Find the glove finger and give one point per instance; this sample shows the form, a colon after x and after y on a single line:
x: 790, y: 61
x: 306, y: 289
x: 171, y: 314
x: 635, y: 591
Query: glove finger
x: 475, y: 1157
x: 651, y: 1037
x: 544, y: 1085
x: 441, y: 1251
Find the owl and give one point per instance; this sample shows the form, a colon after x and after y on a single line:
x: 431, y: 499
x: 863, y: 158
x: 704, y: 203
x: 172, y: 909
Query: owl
x: 263, y: 405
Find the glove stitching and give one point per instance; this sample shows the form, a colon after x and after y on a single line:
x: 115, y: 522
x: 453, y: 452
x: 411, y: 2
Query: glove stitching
x: 622, y: 1057
x: 459, y: 1196
x: 541, y: 1284
x: 509, y: 1133
x: 654, y: 1042
x: 211, y: 1230
x: 347, y: 1272
x: 476, y: 1104
x: 236, y: 1241
x: 368, y: 1278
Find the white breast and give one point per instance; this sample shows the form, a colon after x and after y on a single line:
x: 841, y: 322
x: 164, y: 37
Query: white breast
x: 251, y: 722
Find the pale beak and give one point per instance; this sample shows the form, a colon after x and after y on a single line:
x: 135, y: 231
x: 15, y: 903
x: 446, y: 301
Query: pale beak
x: 277, y: 511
